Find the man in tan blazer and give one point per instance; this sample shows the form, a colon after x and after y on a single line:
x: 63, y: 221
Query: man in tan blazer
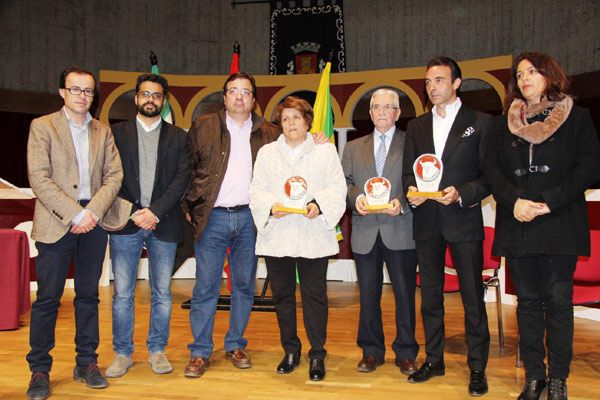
x: 75, y: 172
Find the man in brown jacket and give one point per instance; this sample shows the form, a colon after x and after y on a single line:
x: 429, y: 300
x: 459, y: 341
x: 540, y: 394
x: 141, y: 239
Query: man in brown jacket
x: 75, y: 173
x: 224, y: 147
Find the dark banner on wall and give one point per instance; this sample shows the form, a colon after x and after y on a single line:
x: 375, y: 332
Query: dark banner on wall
x: 304, y: 37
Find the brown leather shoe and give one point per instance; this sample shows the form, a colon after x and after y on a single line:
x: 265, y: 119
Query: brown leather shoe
x: 369, y: 364
x: 407, y: 365
x: 239, y: 358
x: 196, y: 367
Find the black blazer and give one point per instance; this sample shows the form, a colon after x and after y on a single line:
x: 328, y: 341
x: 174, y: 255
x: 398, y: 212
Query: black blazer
x: 170, y: 181
x: 462, y: 159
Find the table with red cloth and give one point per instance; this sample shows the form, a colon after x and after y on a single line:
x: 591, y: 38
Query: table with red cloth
x: 15, y: 211
x: 14, y: 277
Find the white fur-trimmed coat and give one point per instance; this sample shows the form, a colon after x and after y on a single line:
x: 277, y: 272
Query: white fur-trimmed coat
x: 296, y: 235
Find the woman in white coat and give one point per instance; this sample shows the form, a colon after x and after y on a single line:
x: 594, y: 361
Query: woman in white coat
x: 294, y: 164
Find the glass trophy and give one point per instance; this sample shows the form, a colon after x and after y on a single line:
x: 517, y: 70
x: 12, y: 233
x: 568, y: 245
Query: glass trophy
x: 428, y: 170
x: 377, y: 191
x: 295, y: 191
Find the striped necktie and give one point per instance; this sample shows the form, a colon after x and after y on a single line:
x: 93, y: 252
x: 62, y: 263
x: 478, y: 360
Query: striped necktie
x: 380, y: 156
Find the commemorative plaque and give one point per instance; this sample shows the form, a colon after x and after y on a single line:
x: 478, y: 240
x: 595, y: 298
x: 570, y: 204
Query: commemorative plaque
x: 295, y: 191
x: 428, y: 171
x: 377, y: 191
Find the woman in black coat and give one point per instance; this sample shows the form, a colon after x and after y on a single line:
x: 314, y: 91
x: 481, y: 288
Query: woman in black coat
x: 541, y: 157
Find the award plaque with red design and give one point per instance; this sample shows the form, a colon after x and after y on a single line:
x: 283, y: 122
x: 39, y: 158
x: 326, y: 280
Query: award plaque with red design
x: 295, y: 190
x: 428, y: 171
x: 377, y: 191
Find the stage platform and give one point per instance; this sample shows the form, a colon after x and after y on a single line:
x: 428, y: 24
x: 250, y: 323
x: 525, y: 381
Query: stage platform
x: 342, y: 381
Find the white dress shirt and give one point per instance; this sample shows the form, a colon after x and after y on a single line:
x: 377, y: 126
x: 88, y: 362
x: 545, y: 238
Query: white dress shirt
x: 442, y: 125
x: 81, y: 142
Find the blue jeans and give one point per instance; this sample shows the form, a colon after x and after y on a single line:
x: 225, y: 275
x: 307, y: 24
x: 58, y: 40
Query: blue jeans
x: 125, y: 251
x: 234, y: 229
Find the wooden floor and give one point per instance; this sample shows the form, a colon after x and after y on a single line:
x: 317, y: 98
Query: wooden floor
x: 222, y: 381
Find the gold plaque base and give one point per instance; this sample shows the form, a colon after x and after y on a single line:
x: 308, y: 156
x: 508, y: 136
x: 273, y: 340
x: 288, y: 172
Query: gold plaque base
x: 424, y: 194
x: 292, y: 210
x: 378, y: 207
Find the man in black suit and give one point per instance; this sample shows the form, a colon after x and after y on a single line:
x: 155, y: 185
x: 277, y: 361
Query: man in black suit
x: 156, y: 166
x: 456, y: 135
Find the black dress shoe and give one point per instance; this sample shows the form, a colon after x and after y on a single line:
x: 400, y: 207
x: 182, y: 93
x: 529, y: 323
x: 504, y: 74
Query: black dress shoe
x: 289, y: 363
x: 478, y: 383
x: 39, y: 386
x: 426, y: 371
x: 90, y: 375
x: 532, y: 389
x: 316, y: 369
x: 557, y: 389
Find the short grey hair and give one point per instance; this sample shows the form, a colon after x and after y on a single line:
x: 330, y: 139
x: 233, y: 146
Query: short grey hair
x: 386, y: 90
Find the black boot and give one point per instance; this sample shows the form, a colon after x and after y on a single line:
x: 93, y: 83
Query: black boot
x: 532, y: 389
x: 557, y: 389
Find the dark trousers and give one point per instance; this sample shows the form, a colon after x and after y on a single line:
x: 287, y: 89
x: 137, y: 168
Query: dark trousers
x: 52, y: 265
x: 402, y: 269
x: 313, y: 288
x: 468, y: 259
x: 544, y: 286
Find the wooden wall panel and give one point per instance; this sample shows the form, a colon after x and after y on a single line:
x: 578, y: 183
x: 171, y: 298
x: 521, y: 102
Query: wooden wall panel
x: 190, y: 37
x: 388, y: 33
x: 41, y: 37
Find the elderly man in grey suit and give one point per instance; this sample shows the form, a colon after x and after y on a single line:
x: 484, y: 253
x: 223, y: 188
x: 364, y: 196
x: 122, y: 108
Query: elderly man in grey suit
x: 75, y: 172
x: 384, y: 236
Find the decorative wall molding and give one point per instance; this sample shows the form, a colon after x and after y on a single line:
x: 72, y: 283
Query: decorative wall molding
x: 186, y: 91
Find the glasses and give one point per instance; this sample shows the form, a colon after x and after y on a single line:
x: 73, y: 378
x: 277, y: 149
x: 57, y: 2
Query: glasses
x: 385, y: 107
x: 76, y: 91
x: 155, y: 95
x: 235, y: 91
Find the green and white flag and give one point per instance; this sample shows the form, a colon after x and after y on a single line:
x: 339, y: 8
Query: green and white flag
x: 323, y: 117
